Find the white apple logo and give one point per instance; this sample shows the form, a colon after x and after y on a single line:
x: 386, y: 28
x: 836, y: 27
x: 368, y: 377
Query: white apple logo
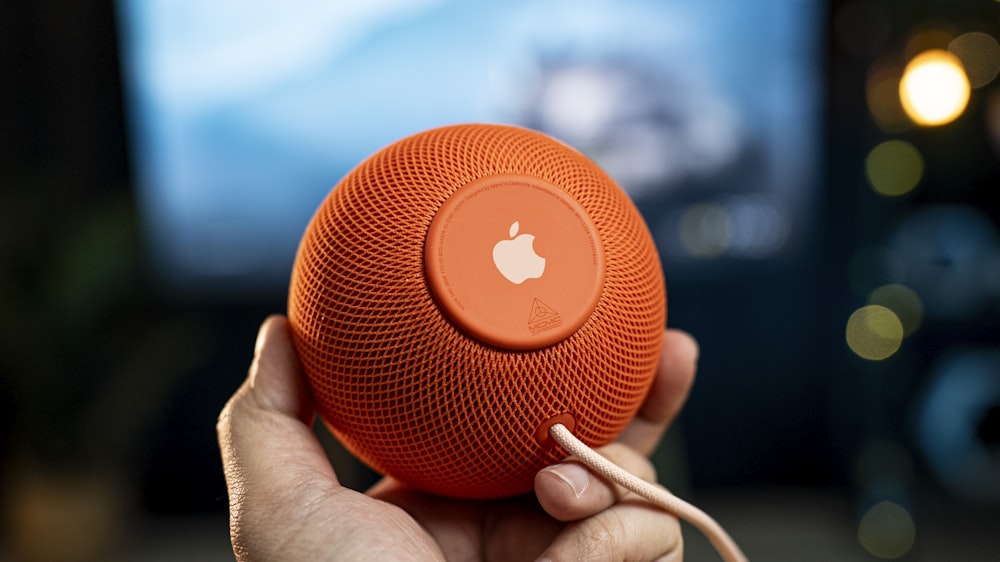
x: 516, y: 258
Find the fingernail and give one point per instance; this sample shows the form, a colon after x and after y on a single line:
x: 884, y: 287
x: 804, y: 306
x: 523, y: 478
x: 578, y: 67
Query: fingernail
x: 259, y: 342
x: 574, y: 475
x: 695, y: 349
x: 258, y: 346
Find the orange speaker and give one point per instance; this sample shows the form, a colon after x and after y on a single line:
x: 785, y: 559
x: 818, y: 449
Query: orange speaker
x: 463, y: 289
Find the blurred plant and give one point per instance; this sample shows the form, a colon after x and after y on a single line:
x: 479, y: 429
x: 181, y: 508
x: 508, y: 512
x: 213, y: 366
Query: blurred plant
x: 86, y: 356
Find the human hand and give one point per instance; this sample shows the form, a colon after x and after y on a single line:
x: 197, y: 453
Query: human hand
x: 286, y: 502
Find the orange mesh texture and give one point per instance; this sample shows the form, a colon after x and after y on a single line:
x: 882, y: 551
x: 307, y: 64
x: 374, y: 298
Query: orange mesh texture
x: 406, y: 390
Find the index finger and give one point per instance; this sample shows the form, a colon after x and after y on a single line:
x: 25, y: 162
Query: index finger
x: 672, y: 382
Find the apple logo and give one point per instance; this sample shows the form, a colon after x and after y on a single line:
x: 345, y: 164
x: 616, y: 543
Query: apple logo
x: 516, y: 258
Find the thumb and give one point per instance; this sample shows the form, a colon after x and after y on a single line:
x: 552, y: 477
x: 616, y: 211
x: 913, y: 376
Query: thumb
x: 275, y: 378
x: 270, y: 456
x: 264, y: 430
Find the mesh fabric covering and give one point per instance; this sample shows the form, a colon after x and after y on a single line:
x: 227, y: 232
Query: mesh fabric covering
x: 406, y: 390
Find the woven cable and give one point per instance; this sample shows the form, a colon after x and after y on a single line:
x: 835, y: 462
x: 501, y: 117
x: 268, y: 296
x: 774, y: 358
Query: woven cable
x: 720, y: 539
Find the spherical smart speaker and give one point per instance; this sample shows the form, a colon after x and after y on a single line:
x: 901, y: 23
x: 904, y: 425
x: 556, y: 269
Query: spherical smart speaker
x: 462, y: 290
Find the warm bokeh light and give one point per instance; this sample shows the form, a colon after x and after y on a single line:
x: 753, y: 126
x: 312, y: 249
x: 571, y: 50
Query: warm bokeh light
x: 934, y: 89
x: 894, y: 167
x: 874, y: 332
x: 887, y: 530
x: 902, y: 300
x: 980, y: 56
x: 882, y: 95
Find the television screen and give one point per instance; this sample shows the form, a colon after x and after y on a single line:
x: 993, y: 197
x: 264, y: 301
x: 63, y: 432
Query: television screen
x: 245, y: 115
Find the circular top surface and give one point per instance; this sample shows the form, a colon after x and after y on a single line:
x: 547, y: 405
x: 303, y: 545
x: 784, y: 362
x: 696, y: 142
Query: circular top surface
x: 514, y: 261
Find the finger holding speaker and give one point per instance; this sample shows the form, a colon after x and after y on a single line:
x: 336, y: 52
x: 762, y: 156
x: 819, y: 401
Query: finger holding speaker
x: 631, y: 530
x: 569, y: 491
x: 285, y: 500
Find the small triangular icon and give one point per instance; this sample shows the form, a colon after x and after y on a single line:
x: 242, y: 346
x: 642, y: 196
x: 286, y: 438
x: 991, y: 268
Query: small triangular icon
x: 540, y: 311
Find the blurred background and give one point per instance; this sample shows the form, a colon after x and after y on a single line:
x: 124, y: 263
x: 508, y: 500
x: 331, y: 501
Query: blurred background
x: 821, y: 179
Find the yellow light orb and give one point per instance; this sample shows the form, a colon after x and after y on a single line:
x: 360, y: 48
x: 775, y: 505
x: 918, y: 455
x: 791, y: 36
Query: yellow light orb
x: 934, y: 89
x: 887, y: 530
x: 874, y: 332
x: 894, y: 167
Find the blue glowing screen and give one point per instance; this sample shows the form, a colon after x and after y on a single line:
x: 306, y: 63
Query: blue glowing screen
x: 245, y: 114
